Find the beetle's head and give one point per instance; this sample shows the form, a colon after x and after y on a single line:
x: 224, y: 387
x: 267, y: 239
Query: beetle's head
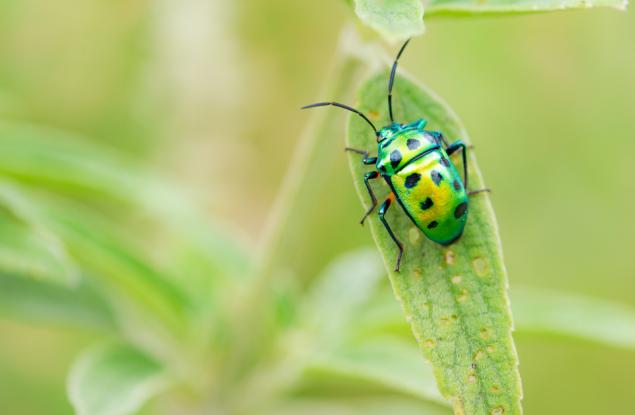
x: 388, y: 132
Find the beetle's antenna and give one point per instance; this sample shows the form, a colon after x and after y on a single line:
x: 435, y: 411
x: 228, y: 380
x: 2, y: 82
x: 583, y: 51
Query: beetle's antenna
x: 392, y: 79
x: 346, y: 107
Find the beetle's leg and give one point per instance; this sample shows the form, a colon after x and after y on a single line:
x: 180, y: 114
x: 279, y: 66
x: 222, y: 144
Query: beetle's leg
x: 369, y: 176
x: 474, y: 192
x: 366, y: 159
x: 459, y: 145
x: 440, y: 138
x: 452, y: 148
x: 382, y: 211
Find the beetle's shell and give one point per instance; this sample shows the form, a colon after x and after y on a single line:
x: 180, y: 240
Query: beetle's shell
x: 437, y: 203
x: 424, y: 180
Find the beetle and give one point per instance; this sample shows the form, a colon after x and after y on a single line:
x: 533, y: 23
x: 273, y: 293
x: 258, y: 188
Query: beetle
x: 416, y: 165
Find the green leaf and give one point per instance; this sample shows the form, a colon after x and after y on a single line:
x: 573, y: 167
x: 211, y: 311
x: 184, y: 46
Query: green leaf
x: 27, y: 247
x: 67, y: 165
x: 346, y: 284
x: 389, y: 362
x: 434, y: 7
x: 103, y: 252
x: 46, y: 302
x: 363, y: 405
x: 393, y: 19
x: 563, y: 314
x: 114, y: 380
x: 536, y: 312
x: 453, y: 297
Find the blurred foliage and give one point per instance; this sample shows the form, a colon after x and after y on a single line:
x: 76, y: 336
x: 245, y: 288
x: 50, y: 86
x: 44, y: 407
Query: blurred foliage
x: 102, y: 102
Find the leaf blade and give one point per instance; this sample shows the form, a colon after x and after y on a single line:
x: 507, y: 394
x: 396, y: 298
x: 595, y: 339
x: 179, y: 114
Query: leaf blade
x: 574, y: 316
x: 342, y: 288
x: 393, y: 19
x: 388, y: 361
x: 454, y: 298
x: 48, y: 302
x: 113, y: 380
x: 537, y: 312
x: 28, y: 247
x: 467, y: 7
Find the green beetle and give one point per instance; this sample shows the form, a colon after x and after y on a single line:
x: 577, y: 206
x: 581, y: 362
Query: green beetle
x: 416, y: 165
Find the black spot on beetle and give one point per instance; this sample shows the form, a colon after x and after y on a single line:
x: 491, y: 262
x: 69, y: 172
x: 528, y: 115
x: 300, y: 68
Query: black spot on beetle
x: 426, y: 204
x: 460, y: 210
x: 445, y: 162
x: 412, y: 180
x: 433, y: 224
x: 413, y: 143
x: 457, y: 185
x: 395, y: 158
x: 436, y: 177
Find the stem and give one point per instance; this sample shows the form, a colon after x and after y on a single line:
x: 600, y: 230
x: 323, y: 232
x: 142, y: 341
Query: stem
x: 351, y: 63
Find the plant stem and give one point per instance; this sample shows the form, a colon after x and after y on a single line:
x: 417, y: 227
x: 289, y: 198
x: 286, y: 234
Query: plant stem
x: 351, y: 63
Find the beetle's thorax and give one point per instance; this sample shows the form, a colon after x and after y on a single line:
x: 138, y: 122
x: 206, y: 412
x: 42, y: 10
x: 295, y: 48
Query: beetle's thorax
x: 401, y: 143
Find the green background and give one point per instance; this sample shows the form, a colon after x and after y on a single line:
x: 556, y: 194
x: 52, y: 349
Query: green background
x: 208, y: 92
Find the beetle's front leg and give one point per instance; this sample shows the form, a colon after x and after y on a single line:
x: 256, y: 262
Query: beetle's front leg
x: 369, y: 176
x: 366, y: 160
x: 382, y: 211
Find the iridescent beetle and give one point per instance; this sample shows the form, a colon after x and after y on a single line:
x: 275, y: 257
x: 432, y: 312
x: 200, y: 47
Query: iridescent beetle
x: 416, y: 165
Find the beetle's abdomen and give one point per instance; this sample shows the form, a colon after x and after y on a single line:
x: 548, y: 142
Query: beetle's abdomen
x: 432, y: 193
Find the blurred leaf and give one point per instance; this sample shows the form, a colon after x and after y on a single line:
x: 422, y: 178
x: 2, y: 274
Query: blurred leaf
x: 188, y: 264
x: 114, y: 380
x: 389, y: 362
x: 27, y: 248
x: 63, y: 163
x: 29, y: 254
x: 514, y: 6
x: 45, y: 302
x: 102, y: 251
x: 107, y: 255
x: 345, y: 285
x: 366, y: 405
x: 393, y: 19
x: 563, y: 314
x: 453, y: 297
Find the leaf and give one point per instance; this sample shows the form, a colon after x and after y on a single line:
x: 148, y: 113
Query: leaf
x: 29, y: 249
x: 453, y: 297
x: 364, y: 405
x: 46, y: 302
x: 27, y: 253
x: 346, y: 284
x: 114, y: 380
x: 103, y: 253
x: 393, y: 19
x: 434, y: 7
x: 64, y: 164
x: 563, y: 314
x: 92, y: 198
x: 537, y: 312
x: 106, y: 255
x: 390, y: 362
